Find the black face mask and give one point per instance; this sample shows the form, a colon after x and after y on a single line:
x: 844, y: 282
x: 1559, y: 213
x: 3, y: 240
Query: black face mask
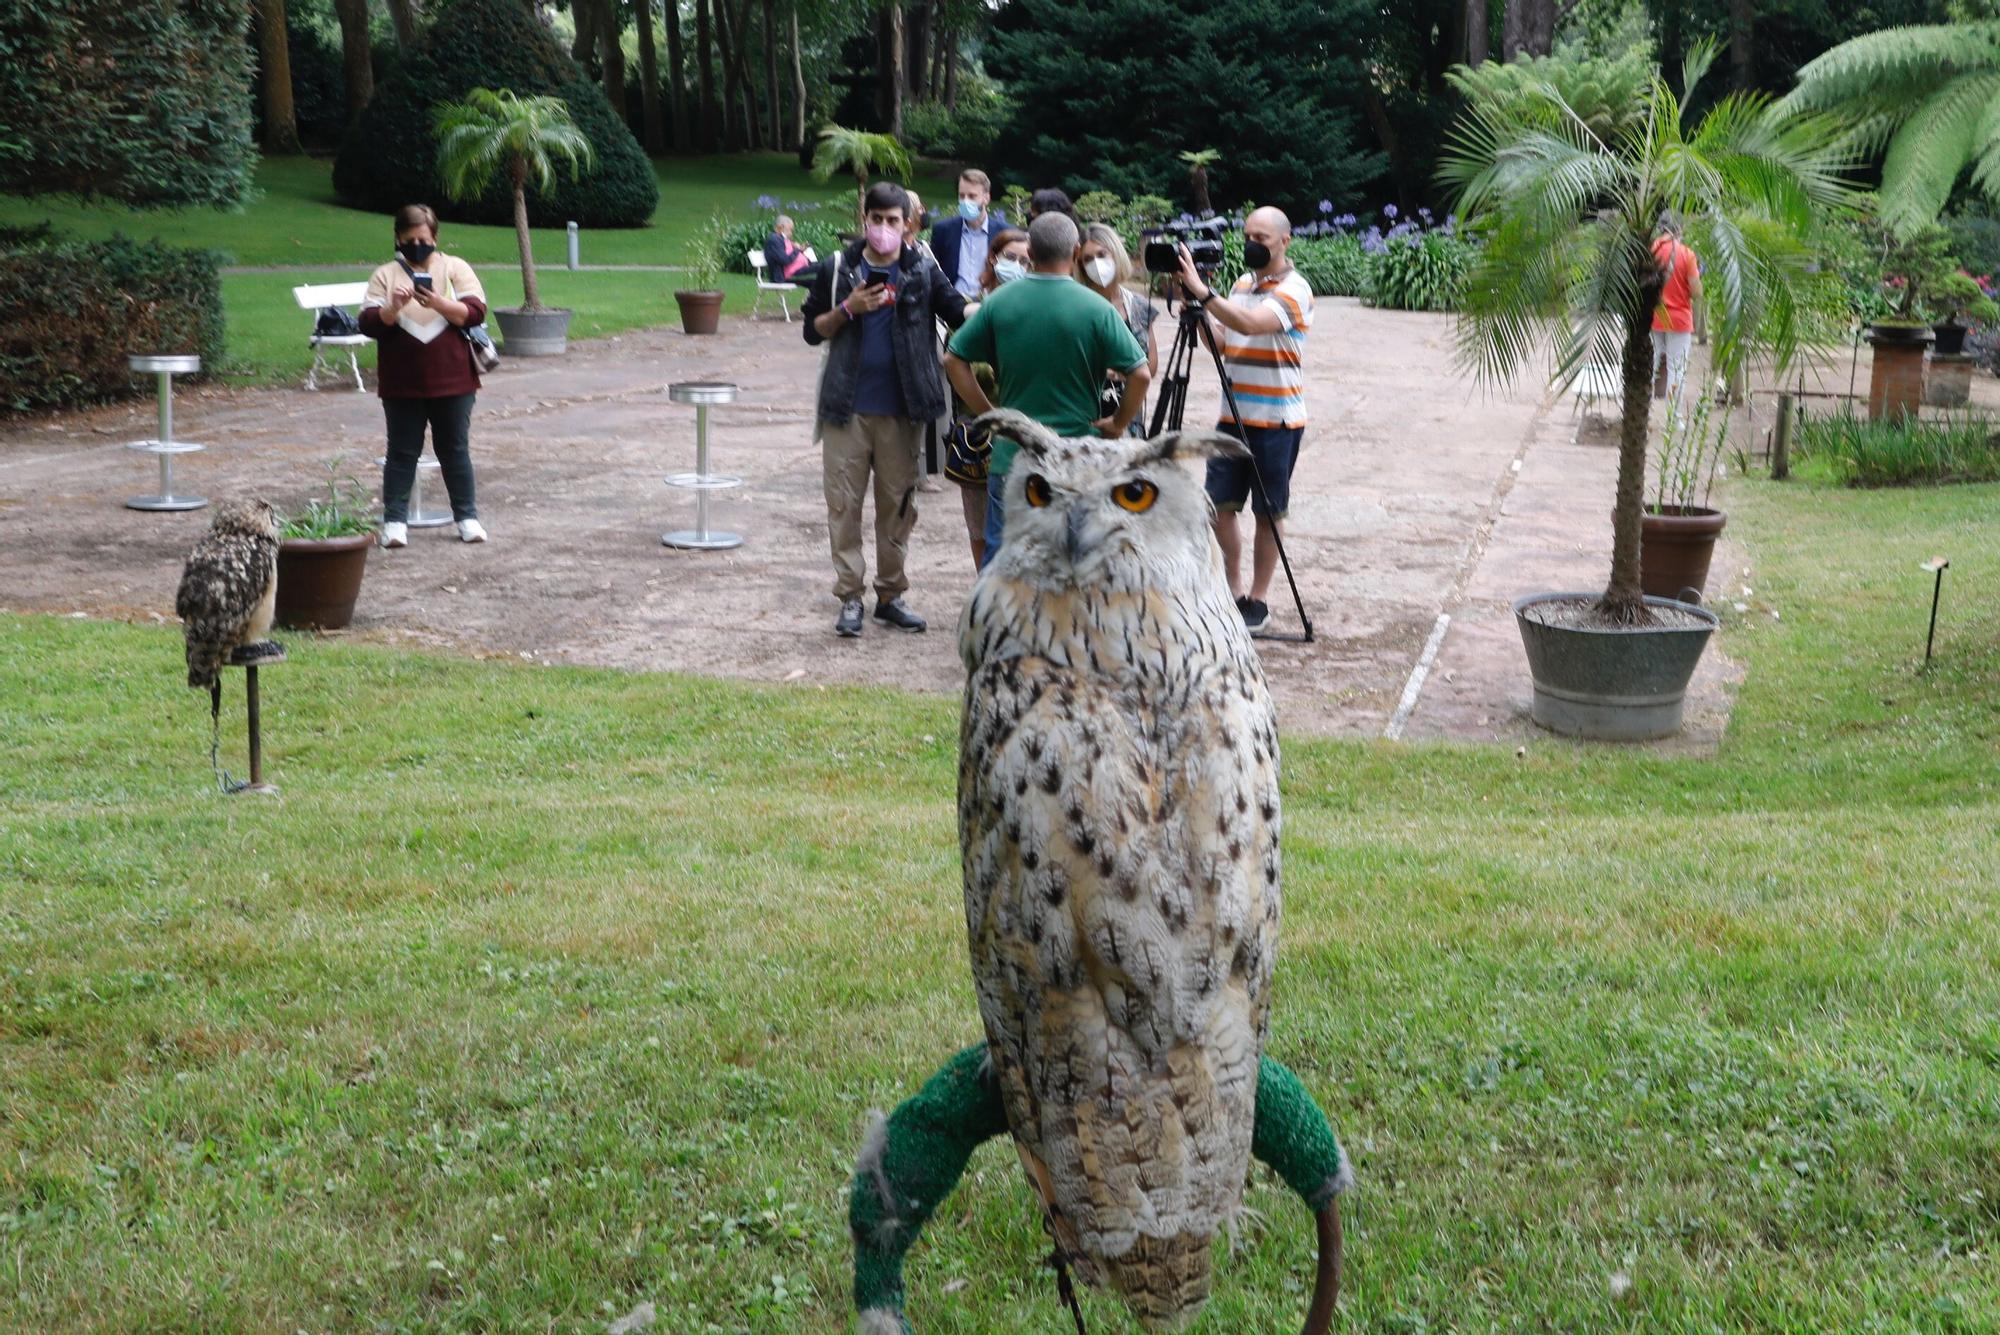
x: 416, y: 252
x: 1255, y: 254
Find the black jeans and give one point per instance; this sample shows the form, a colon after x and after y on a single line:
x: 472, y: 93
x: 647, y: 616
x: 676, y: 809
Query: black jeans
x: 450, y: 421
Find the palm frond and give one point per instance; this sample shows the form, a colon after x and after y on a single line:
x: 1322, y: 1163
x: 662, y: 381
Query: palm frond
x: 1932, y: 147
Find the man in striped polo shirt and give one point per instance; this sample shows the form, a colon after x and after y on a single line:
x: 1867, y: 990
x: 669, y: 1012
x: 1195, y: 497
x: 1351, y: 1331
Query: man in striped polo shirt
x: 1261, y: 329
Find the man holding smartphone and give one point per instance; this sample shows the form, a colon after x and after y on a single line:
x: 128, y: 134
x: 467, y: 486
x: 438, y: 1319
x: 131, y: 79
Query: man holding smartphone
x: 874, y: 305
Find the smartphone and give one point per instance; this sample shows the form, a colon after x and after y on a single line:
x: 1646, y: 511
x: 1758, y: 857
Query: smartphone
x: 422, y: 280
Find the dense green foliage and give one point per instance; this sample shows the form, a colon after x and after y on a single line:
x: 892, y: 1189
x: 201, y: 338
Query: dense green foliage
x: 1931, y: 96
x: 1107, y: 95
x: 1857, y: 452
x: 965, y: 133
x: 390, y: 156
x: 1608, y: 95
x: 1420, y: 271
x: 144, y: 103
x: 71, y: 311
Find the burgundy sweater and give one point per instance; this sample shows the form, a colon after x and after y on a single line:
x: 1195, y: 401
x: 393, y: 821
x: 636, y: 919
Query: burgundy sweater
x: 408, y: 368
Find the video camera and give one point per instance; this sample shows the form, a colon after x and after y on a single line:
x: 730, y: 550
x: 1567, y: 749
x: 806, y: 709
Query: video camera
x: 1203, y: 240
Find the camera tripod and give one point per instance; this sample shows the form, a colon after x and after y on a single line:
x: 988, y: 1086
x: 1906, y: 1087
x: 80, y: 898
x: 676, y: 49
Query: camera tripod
x: 1169, y: 415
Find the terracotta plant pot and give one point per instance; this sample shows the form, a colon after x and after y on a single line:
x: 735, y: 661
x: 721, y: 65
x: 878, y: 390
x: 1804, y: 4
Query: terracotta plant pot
x: 1676, y: 543
x: 319, y: 580
x: 1896, y: 373
x: 701, y: 312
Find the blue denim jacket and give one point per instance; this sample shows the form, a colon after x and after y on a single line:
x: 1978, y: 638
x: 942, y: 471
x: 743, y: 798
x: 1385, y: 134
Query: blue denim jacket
x: 923, y: 297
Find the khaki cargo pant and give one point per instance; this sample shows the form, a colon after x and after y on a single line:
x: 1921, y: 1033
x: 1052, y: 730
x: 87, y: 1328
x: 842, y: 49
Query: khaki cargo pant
x: 889, y: 448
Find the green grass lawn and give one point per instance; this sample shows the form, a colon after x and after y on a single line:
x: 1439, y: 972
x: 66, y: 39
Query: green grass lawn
x: 295, y: 220
x: 545, y: 991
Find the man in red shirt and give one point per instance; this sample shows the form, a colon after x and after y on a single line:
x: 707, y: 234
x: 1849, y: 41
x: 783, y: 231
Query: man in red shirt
x: 1673, y: 318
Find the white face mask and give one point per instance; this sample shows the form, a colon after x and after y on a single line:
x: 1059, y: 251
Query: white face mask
x: 1101, y: 270
x: 1008, y: 270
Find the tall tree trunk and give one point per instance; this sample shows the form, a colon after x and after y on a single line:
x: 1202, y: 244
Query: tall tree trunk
x: 1742, y: 53
x: 1478, y: 41
x: 1542, y: 27
x: 531, y: 297
x: 677, y: 79
x: 703, y: 49
x: 611, y: 38
x: 1623, y: 600
x: 405, y: 17
x: 583, y: 48
x: 951, y: 71
x: 777, y: 139
x: 649, y: 80
x: 895, y: 71
x: 798, y: 83
x: 281, y: 122
x: 916, y: 48
x: 732, y: 107
x: 357, y: 62
x: 934, y: 79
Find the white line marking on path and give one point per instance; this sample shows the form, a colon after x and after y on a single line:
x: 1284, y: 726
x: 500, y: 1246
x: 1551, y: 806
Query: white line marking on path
x: 1415, y: 685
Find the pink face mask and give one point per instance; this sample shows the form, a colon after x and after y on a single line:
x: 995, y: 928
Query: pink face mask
x: 884, y: 239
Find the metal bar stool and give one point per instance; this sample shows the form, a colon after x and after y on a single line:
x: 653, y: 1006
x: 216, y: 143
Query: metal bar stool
x: 165, y: 447
x: 702, y: 394
x: 419, y: 517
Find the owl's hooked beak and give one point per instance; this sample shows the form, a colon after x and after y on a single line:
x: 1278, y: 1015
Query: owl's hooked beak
x: 1076, y: 518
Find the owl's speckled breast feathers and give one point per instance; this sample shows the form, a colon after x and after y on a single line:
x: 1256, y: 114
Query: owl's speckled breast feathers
x: 1119, y: 821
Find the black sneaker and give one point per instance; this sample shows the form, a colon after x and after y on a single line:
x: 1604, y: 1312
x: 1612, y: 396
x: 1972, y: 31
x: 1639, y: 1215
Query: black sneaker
x: 1256, y: 615
x: 897, y: 613
x: 849, y: 624
x: 1243, y: 607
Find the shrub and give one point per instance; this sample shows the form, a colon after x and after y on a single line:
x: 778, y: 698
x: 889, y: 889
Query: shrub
x: 1334, y: 265
x: 962, y: 134
x: 1415, y: 269
x: 148, y: 104
x: 70, y: 312
x: 813, y: 225
x: 389, y: 158
x: 1856, y: 452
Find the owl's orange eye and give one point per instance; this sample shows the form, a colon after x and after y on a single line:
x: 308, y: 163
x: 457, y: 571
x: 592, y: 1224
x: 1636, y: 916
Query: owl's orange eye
x: 1137, y: 495
x: 1037, y: 489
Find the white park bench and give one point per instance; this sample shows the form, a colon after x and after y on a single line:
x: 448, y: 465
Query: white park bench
x: 314, y: 296
x: 758, y: 265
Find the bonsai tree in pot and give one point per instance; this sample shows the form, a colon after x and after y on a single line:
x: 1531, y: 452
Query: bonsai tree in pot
x: 1567, y: 218
x: 701, y: 300
x: 858, y: 152
x: 525, y: 137
x: 322, y: 554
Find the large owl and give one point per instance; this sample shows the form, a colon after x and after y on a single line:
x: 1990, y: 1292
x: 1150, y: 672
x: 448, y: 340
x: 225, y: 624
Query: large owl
x: 1118, y: 816
x: 228, y: 589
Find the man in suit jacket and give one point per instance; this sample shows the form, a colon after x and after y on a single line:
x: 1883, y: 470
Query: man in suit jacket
x: 960, y: 241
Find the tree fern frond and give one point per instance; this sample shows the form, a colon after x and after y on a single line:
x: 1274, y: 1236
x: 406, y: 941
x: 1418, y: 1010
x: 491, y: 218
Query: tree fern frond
x: 1930, y: 150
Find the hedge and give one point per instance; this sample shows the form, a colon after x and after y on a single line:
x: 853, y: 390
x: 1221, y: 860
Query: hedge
x: 389, y: 157
x: 72, y: 311
x: 148, y: 104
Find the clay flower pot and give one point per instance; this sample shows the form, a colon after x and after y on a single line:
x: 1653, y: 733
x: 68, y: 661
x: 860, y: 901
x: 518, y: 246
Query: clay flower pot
x: 701, y: 312
x: 1676, y: 543
x: 319, y: 580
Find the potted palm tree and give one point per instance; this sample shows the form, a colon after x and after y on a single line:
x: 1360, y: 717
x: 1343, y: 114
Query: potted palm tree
x: 701, y: 300
x: 1567, y: 218
x: 858, y: 152
x: 524, y: 136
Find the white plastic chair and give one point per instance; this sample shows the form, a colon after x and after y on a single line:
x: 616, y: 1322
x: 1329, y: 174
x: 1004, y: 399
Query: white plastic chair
x: 758, y: 264
x: 314, y: 296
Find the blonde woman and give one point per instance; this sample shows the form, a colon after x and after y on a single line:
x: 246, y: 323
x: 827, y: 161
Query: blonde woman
x: 1103, y: 266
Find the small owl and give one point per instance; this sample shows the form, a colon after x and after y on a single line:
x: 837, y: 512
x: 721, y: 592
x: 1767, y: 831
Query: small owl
x: 1118, y: 818
x: 228, y: 589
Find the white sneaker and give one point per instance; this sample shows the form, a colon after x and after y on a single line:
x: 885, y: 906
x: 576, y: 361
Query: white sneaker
x: 469, y: 530
x: 395, y: 535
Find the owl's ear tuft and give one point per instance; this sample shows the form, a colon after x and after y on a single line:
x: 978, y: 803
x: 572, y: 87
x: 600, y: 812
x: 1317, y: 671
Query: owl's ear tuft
x: 1024, y: 430
x: 1196, y: 444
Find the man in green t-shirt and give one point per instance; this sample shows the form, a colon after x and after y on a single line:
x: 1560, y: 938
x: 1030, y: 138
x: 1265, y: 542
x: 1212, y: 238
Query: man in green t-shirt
x: 1050, y: 340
